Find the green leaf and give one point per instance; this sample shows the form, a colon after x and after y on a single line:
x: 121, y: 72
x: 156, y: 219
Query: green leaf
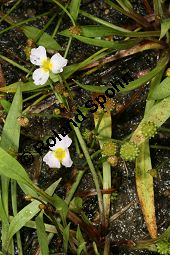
x: 100, y: 31
x: 108, y: 44
x: 66, y: 234
x: 45, y: 39
x: 10, y: 168
x: 42, y: 236
x: 69, y: 70
x: 125, y: 4
x: 27, y: 213
x: 74, y: 8
x: 93, y: 88
x: 61, y: 207
x: 9, y: 142
x: 144, y: 184
x: 133, y: 84
x: 137, y: 83
x: 5, y: 223
x: 11, y: 131
x: 162, y: 90
x: 165, y: 26
x: 5, y: 104
x: 81, y: 242
x: 79, y: 235
x: 76, y: 204
x: 25, y: 87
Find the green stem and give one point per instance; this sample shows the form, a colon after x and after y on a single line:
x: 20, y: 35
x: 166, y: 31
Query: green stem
x: 103, y: 22
x: 93, y: 172
x: 36, y: 102
x: 74, y: 187
x: 13, y: 8
x: 23, y: 22
x: 68, y: 47
x: 133, y: 15
x: 14, y: 63
x: 58, y: 23
x: 160, y: 147
x: 65, y: 10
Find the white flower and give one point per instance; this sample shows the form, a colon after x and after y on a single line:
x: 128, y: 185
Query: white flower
x: 55, y: 65
x: 59, y: 153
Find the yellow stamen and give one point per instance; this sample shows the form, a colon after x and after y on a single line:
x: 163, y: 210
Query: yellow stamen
x: 60, y: 154
x: 46, y: 65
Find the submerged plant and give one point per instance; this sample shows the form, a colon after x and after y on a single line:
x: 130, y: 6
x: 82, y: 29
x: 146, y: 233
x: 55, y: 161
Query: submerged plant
x: 74, y: 232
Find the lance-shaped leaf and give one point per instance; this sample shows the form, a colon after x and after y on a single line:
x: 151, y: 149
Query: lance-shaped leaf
x: 45, y: 39
x: 144, y: 185
x: 9, y: 142
x: 42, y: 236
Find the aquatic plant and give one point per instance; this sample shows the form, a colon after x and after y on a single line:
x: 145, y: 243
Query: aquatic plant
x: 54, y: 91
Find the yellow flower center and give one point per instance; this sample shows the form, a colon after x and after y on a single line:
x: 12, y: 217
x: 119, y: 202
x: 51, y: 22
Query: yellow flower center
x: 60, y: 154
x: 46, y: 65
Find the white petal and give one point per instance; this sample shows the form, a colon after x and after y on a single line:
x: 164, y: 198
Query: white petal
x: 51, y: 160
x: 38, y: 55
x: 64, y: 143
x: 58, y: 62
x: 40, y: 77
x: 67, y: 162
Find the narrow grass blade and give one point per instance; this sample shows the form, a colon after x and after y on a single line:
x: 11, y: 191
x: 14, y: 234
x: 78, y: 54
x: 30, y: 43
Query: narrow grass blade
x: 42, y: 236
x: 66, y: 234
x: 103, y: 22
x: 81, y: 242
x: 108, y: 44
x: 125, y: 4
x: 165, y: 26
x: 26, y: 214
x: 137, y: 83
x: 9, y: 142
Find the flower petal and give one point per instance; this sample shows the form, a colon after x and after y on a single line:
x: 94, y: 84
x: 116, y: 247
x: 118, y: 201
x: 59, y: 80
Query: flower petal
x: 51, y: 160
x: 40, y: 76
x: 38, y: 55
x: 58, y: 62
x: 67, y: 162
x: 64, y: 143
